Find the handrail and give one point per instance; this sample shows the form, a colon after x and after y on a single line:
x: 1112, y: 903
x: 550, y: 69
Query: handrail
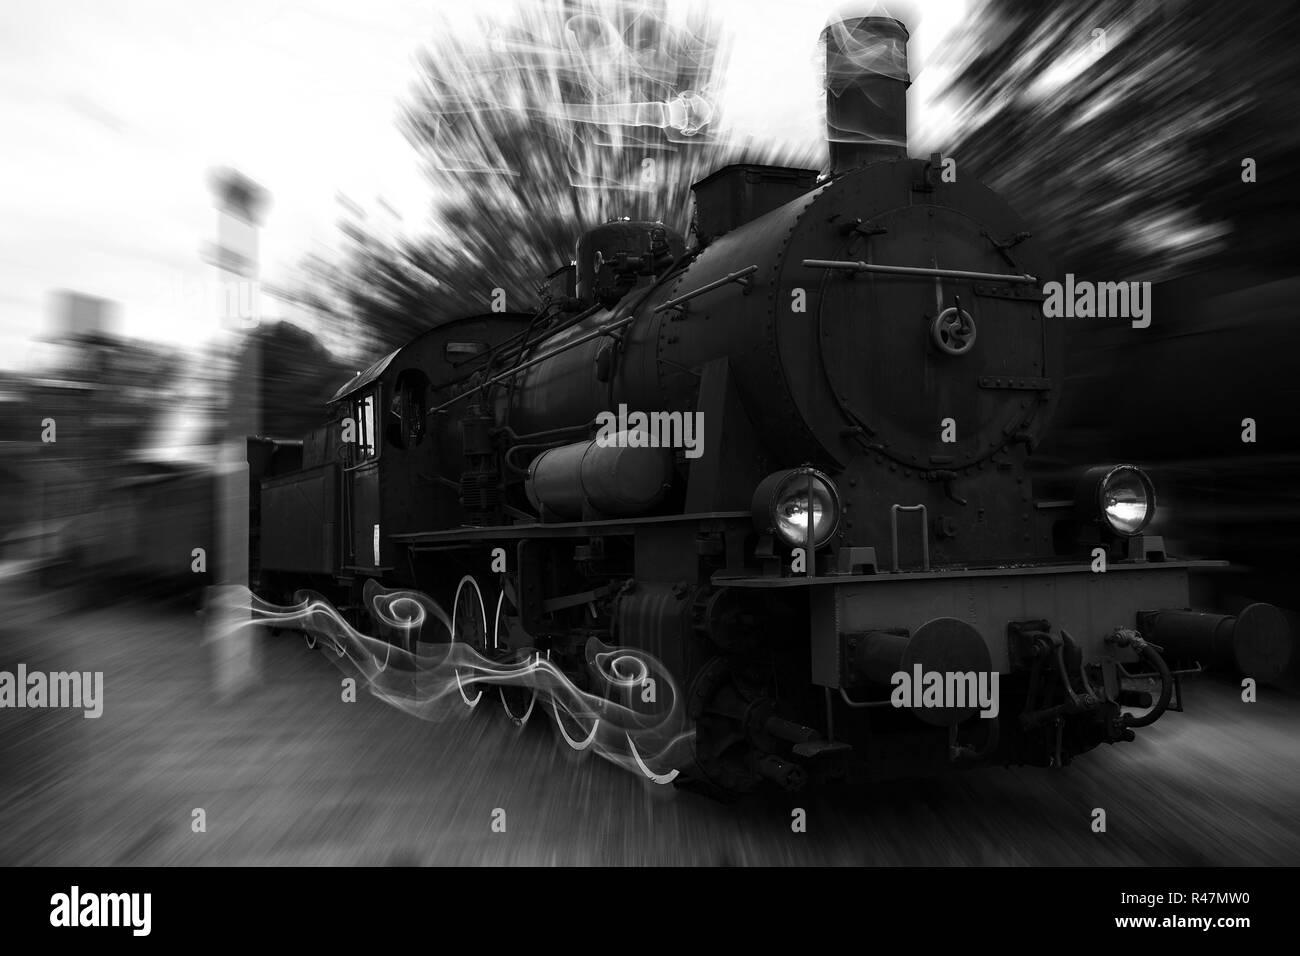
x: 914, y: 270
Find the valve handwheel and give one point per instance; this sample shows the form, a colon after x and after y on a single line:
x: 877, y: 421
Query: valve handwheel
x: 953, y: 330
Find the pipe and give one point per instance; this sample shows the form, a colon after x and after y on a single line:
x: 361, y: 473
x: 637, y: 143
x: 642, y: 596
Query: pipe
x: 859, y: 704
x: 1125, y: 637
x: 878, y: 655
x: 738, y: 277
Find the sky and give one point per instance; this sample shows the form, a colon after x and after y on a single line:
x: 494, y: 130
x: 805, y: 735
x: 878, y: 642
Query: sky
x: 114, y: 113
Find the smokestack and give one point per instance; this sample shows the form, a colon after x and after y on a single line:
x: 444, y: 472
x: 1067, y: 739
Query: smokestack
x: 866, y: 91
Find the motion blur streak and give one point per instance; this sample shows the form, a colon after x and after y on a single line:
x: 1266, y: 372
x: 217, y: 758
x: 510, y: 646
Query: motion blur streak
x: 613, y: 75
x: 414, y: 666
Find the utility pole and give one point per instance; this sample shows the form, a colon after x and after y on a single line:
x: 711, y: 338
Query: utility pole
x: 240, y: 203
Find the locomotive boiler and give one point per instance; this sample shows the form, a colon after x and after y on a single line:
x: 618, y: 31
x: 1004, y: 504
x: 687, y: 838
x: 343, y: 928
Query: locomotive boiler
x: 788, y: 459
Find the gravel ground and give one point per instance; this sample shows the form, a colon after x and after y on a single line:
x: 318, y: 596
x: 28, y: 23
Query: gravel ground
x: 288, y: 773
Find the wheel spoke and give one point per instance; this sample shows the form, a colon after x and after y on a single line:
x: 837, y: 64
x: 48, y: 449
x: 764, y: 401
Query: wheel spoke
x: 659, y: 778
x: 388, y: 650
x: 505, y: 693
x: 572, y: 742
x: 519, y: 719
x: 469, y: 600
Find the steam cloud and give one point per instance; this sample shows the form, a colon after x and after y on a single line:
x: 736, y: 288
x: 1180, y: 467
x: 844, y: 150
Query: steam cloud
x: 413, y: 665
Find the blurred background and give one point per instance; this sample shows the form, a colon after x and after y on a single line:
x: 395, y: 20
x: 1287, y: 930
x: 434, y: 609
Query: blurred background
x: 214, y: 214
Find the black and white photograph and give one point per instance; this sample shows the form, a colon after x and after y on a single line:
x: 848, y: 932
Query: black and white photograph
x: 651, y: 433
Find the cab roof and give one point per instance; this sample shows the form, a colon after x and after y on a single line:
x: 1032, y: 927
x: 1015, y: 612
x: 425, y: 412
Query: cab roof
x: 365, y: 378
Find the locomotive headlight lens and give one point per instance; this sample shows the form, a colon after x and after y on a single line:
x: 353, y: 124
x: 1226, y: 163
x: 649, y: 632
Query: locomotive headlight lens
x: 1123, y: 495
x: 785, y: 502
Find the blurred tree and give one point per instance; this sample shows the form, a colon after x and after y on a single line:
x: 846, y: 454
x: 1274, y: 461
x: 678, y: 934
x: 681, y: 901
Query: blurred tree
x: 569, y: 114
x: 296, y: 376
x: 1121, y: 128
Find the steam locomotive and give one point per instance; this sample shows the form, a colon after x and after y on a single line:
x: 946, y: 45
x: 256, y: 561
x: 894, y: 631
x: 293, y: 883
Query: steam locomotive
x: 790, y: 461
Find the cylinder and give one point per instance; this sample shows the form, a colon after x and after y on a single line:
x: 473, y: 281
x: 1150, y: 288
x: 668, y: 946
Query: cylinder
x: 619, y: 478
x: 866, y: 91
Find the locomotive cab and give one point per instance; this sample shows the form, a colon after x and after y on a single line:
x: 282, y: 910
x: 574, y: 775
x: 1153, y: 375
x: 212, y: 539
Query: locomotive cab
x: 385, y: 464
